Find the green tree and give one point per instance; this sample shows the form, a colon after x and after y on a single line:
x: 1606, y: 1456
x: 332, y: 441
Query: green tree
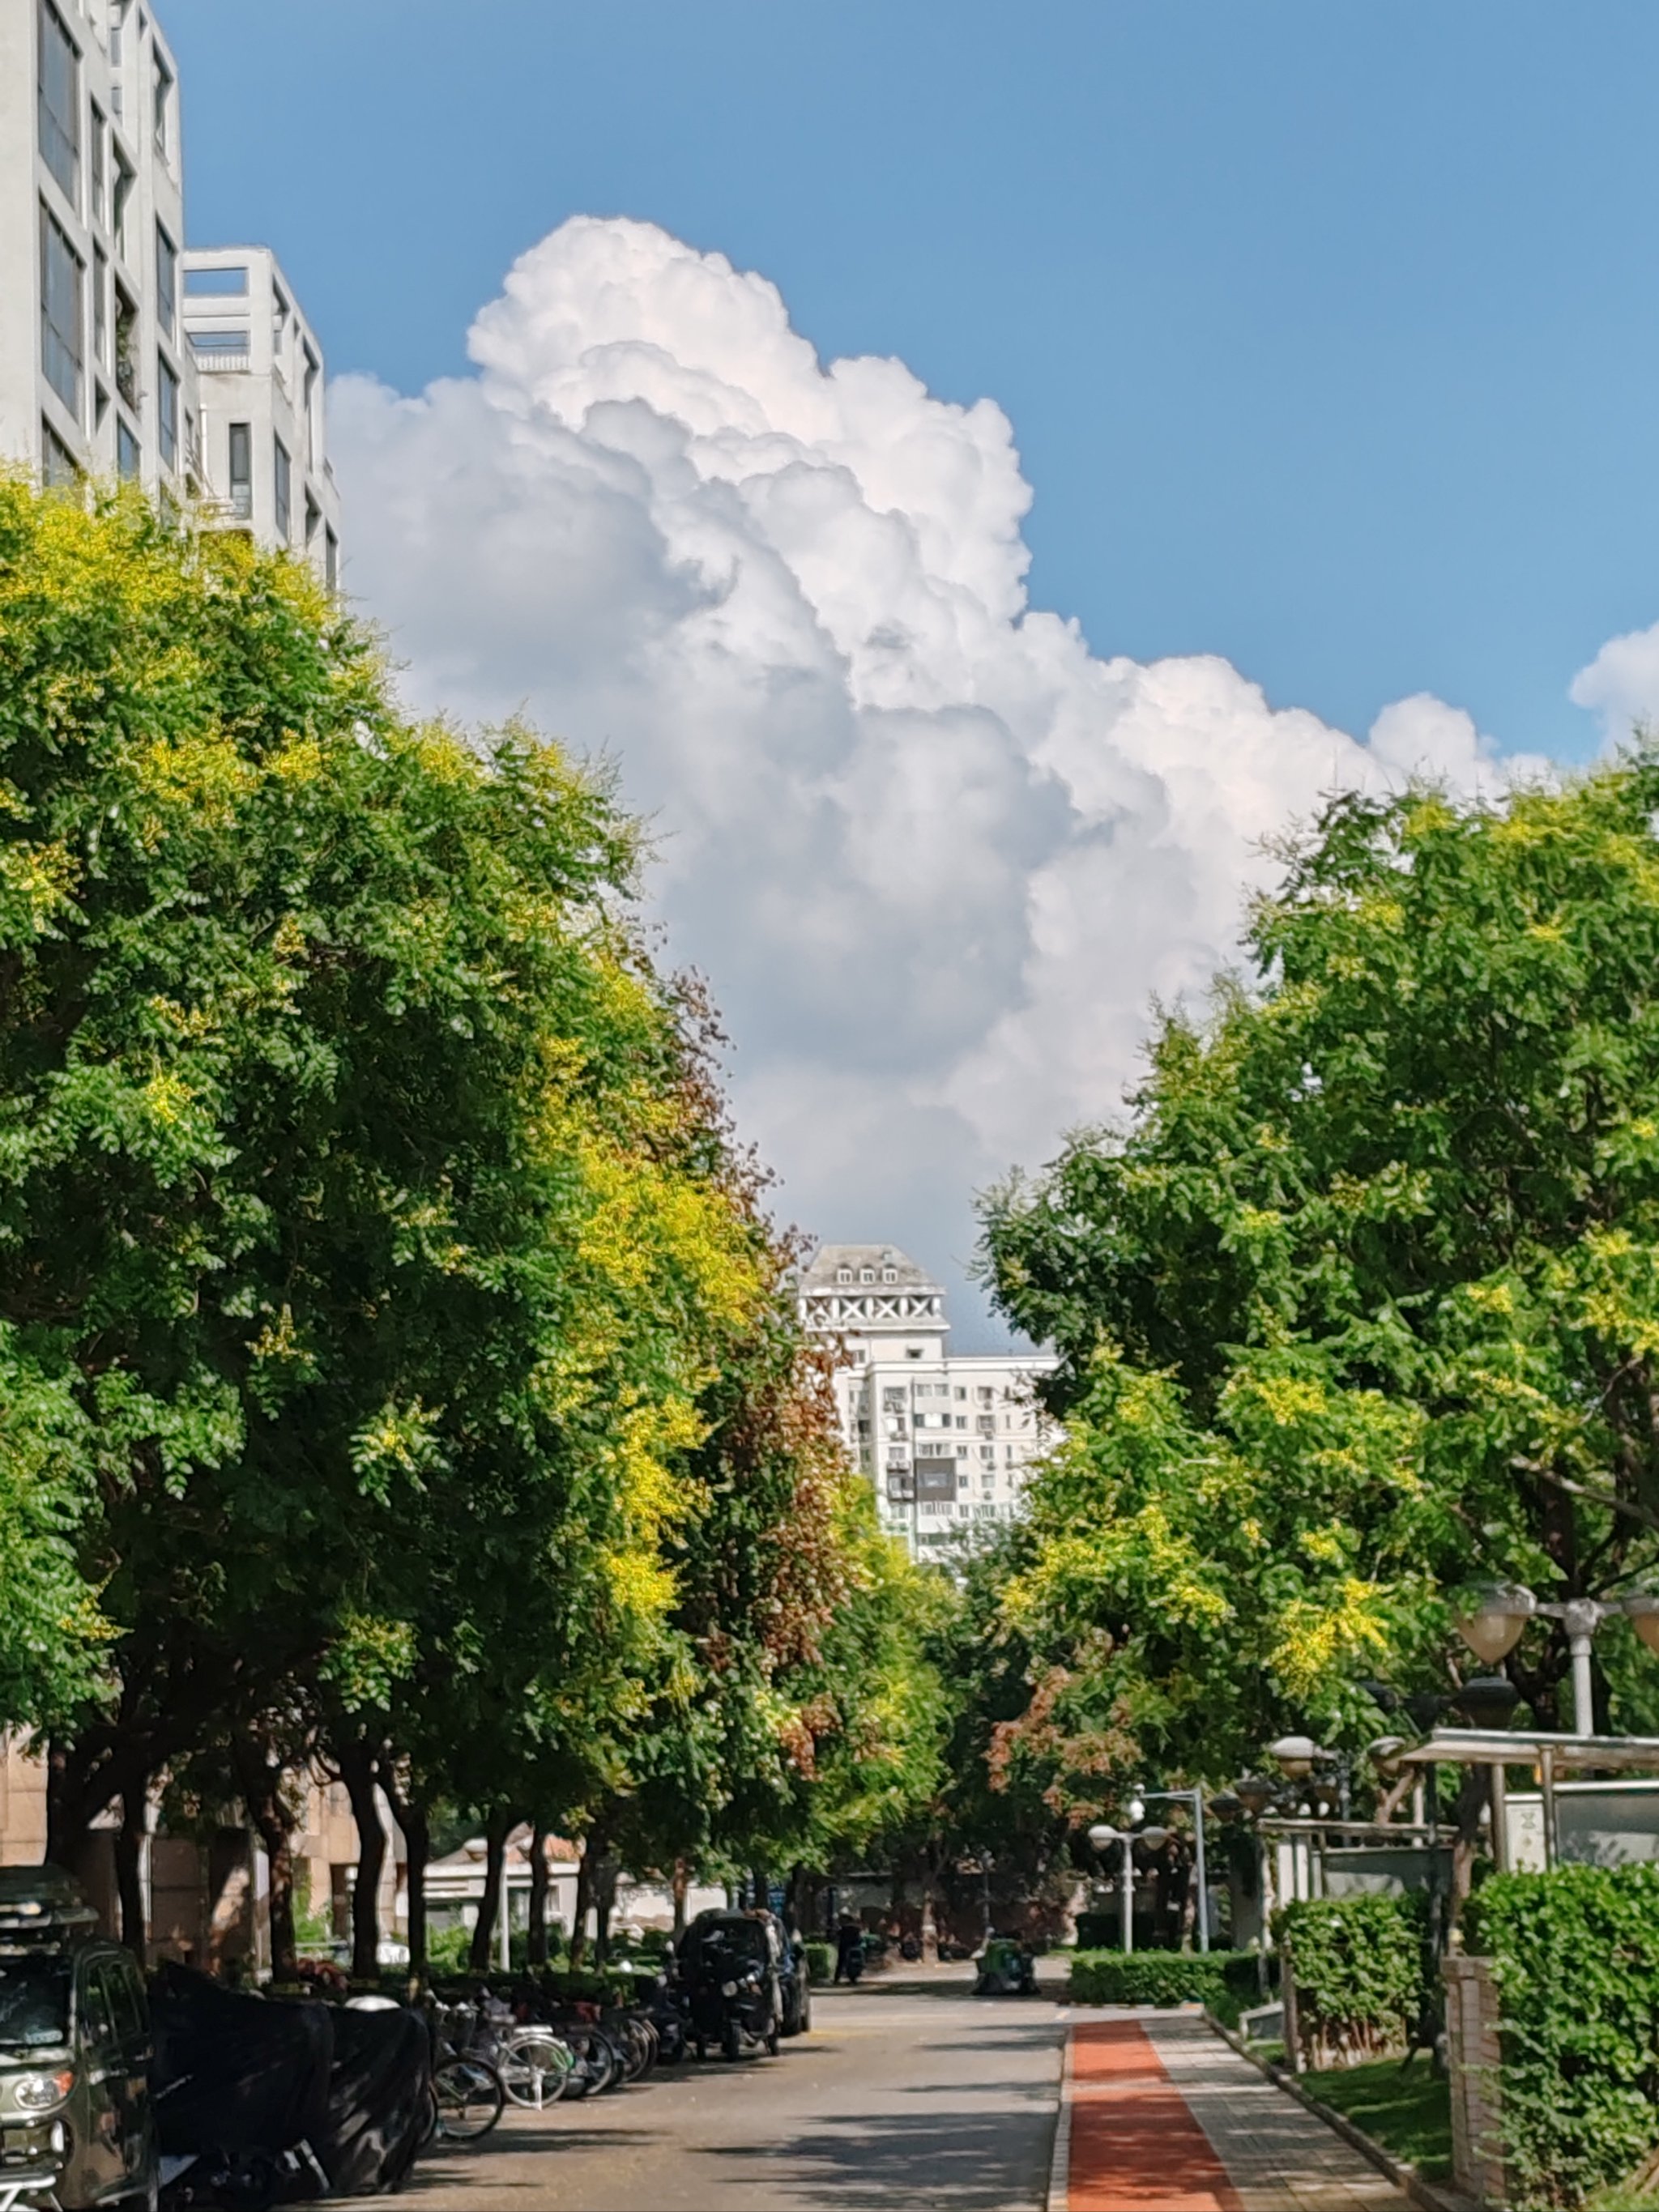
x: 362, y: 1209
x: 1362, y: 1300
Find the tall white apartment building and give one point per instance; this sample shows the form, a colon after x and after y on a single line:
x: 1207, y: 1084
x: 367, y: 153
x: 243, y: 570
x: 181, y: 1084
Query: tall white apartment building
x: 98, y: 368
x: 947, y: 1440
x: 259, y: 370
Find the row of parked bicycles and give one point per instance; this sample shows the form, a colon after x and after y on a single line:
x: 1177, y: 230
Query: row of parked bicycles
x: 739, y: 1982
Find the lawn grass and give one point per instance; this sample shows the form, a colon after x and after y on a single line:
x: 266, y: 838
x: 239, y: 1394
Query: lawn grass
x: 1406, y: 2109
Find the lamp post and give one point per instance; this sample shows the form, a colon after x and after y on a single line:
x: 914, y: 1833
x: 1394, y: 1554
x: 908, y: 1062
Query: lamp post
x: 1102, y: 1836
x: 1494, y: 1619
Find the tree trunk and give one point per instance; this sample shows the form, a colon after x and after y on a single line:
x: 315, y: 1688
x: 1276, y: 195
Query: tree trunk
x: 590, y: 1879
x: 410, y: 1814
x: 260, y: 1781
x: 492, y: 1903
x: 536, y: 1933
x: 929, y: 1924
x: 128, y: 1868
x: 357, y: 1766
x: 604, y: 1904
x: 681, y: 1884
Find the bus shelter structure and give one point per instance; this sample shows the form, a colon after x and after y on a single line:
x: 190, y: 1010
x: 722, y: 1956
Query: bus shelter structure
x: 1552, y: 1758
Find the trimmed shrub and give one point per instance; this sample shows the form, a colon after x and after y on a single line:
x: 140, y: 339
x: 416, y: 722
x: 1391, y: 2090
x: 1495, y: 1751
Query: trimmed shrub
x: 1575, y: 1954
x: 820, y: 1962
x: 1157, y: 1977
x: 1358, y: 1964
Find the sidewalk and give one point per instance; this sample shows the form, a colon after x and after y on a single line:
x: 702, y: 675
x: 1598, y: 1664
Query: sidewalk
x: 1164, y: 2118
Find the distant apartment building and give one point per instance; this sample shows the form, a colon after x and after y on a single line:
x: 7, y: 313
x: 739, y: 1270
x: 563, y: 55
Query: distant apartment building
x: 259, y: 372
x: 101, y: 370
x: 946, y: 1439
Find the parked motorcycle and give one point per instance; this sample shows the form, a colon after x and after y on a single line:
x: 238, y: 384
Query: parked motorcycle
x: 1006, y: 1969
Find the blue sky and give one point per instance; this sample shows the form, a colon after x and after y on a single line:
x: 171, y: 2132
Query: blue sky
x: 1330, y: 339
x: 1330, y: 335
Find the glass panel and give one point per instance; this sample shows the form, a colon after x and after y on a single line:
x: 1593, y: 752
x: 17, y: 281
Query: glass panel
x: 126, y: 448
x: 281, y: 491
x: 166, y: 281
x: 58, y: 463
x: 60, y: 313
x: 242, y: 470
x: 166, y: 410
x: 34, y: 2001
x: 59, y: 103
x: 100, y: 168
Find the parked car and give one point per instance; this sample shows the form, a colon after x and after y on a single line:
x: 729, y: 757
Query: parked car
x: 730, y: 1972
x: 76, y: 2130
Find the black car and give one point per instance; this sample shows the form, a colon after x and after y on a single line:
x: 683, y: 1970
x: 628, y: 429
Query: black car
x: 75, y: 2125
x: 731, y: 1972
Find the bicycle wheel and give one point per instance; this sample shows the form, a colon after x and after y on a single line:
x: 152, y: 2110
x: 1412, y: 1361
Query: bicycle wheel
x: 471, y: 2099
x: 534, y: 2067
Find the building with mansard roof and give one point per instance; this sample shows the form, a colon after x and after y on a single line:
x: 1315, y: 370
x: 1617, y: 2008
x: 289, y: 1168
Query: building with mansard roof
x: 947, y: 1440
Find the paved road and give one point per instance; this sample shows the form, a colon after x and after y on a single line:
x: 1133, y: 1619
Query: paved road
x: 907, y: 2096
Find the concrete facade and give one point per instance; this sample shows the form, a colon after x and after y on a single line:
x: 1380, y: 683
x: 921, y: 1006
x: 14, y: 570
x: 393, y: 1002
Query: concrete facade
x: 947, y: 1441
x: 93, y: 375
x: 99, y: 372
x: 259, y: 365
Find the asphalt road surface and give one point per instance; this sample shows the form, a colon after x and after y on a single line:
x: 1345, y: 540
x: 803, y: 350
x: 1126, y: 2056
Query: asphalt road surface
x: 915, y: 2094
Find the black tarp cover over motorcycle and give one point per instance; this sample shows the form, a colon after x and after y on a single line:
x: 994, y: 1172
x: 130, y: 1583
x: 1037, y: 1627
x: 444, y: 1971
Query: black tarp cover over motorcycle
x: 249, y: 2079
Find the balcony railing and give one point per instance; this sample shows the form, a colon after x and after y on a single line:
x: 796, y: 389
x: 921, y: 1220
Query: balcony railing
x: 213, y: 362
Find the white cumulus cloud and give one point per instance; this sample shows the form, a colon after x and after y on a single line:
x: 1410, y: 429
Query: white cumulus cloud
x: 934, y: 855
x: 1621, y: 684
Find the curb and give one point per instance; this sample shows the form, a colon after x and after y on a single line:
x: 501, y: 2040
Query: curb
x: 1059, y: 2163
x: 1428, y: 2196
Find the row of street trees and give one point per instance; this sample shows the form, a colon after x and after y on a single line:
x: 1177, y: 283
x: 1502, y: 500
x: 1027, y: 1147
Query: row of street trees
x: 1358, y: 1302
x: 397, y: 1365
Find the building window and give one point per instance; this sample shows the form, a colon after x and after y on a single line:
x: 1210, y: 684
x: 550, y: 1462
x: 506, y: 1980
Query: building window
x: 59, y: 103
x: 57, y: 462
x: 126, y: 349
x: 890, y: 1275
x: 242, y: 470
x: 313, y: 516
x: 844, y: 1274
x: 281, y: 490
x: 100, y: 307
x: 127, y: 447
x: 100, y: 167
x: 61, y: 354
x: 125, y: 178
x: 161, y: 102
x: 167, y: 411
x: 166, y: 283
x: 331, y: 578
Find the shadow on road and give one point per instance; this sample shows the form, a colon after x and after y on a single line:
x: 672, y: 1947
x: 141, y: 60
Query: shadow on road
x: 960, y: 2158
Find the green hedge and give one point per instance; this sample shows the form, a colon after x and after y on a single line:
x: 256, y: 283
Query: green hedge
x: 1575, y: 1954
x: 1219, y: 1980
x: 1360, y: 1967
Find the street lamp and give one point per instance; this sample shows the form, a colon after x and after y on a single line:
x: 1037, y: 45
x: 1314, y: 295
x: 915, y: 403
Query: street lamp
x: 1296, y: 1756
x: 1493, y: 1619
x: 1102, y: 1836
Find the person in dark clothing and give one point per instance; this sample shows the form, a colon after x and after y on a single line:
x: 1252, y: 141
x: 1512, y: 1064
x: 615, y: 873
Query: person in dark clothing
x: 849, y: 1951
